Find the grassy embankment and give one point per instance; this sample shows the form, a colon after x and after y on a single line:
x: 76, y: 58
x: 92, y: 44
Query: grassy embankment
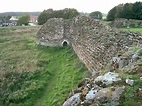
x: 132, y: 29
x: 35, y: 75
x: 131, y: 97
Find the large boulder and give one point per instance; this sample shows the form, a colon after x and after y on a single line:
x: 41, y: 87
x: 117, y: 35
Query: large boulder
x: 73, y: 101
x: 108, y: 78
x: 107, y: 95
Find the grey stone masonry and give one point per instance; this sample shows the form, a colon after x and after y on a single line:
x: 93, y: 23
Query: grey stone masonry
x: 94, y: 42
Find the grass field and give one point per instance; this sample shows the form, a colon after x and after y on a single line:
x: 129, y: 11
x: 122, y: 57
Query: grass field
x: 32, y: 75
x: 132, y: 29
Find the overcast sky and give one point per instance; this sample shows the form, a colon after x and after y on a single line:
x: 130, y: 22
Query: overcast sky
x: 39, y: 5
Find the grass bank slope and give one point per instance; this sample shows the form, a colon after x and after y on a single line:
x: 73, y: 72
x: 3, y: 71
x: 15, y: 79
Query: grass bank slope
x: 132, y: 29
x: 32, y: 75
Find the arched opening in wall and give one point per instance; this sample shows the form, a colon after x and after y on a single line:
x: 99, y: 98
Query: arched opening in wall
x: 65, y: 43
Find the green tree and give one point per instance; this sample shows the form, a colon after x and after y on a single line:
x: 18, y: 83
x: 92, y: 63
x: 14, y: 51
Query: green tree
x: 66, y: 13
x: 8, y: 17
x: 118, y: 10
x: 24, y: 20
x: 137, y: 10
x: 97, y: 14
x: 5, y: 17
x: 44, y: 16
x: 70, y: 13
x: 2, y: 17
x: 127, y: 11
x: 58, y: 14
x: 111, y: 14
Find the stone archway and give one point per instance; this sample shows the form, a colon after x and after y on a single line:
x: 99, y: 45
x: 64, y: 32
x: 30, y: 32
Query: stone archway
x: 65, y: 43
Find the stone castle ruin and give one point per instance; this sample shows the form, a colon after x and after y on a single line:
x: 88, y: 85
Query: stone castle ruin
x: 121, y: 22
x: 94, y: 42
x: 55, y: 32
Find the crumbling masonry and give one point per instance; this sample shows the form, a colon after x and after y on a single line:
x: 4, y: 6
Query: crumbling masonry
x: 94, y: 42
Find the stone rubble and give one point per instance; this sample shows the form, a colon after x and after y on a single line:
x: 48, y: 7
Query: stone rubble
x: 130, y: 82
x: 107, y: 89
x: 73, y: 101
x: 93, y: 93
x: 121, y: 22
x: 108, y: 78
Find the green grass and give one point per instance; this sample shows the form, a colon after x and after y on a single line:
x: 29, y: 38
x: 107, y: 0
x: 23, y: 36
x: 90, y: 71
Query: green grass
x: 132, y: 29
x: 32, y: 75
x: 130, y: 97
x: 66, y: 72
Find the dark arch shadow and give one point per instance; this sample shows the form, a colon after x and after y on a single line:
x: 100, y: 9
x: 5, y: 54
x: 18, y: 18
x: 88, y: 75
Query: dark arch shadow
x: 65, y: 43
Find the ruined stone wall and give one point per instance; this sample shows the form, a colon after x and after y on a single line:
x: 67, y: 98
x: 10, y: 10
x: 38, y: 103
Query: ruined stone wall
x: 120, y: 22
x: 54, y: 32
x: 94, y: 42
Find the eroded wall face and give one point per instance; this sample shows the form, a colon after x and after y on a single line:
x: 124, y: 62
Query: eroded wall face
x: 121, y: 22
x: 52, y: 29
x: 54, y: 32
x: 51, y: 33
x: 94, y: 42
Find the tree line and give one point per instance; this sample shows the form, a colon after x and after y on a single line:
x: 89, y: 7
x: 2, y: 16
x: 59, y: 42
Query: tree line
x: 5, y: 17
x: 19, y: 13
x: 128, y: 11
x: 66, y: 13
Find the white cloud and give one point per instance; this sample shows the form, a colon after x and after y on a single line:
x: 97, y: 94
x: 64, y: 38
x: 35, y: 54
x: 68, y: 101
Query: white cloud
x: 40, y: 5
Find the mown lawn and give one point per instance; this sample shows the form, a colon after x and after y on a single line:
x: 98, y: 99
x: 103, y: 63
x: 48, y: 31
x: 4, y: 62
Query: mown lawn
x: 132, y: 29
x: 32, y: 75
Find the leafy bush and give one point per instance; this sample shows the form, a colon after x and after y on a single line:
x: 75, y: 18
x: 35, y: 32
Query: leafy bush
x: 140, y: 52
x: 17, y: 87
